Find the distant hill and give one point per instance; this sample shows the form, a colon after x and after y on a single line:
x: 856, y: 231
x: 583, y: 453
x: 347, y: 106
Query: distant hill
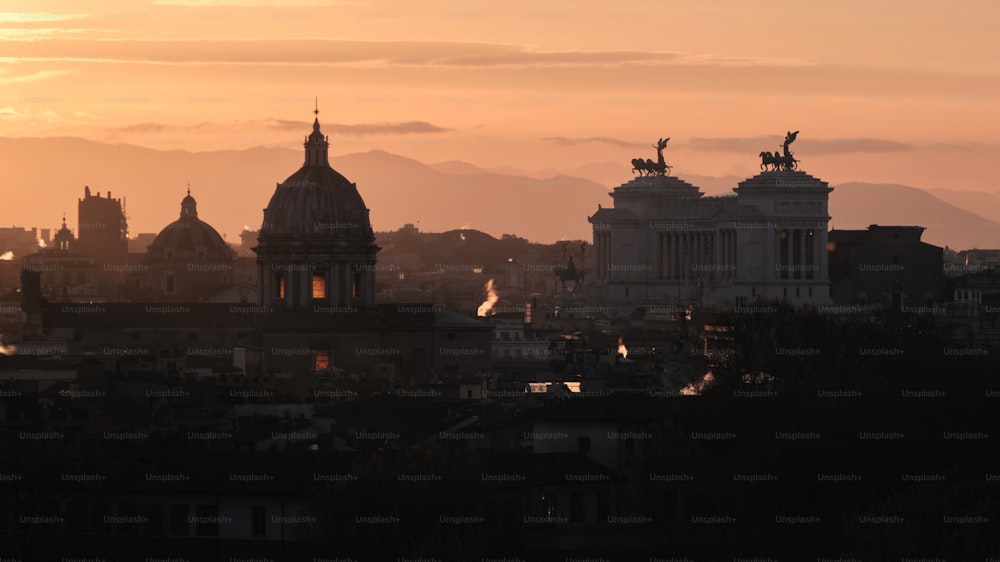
x: 44, y: 177
x: 983, y: 203
x: 857, y: 205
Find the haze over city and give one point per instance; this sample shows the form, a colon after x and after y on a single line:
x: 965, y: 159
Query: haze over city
x: 905, y: 92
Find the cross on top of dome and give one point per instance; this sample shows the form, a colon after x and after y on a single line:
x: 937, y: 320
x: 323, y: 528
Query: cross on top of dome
x: 317, y: 144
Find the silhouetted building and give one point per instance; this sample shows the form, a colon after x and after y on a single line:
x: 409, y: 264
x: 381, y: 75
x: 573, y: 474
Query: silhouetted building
x: 973, y: 261
x: 316, y: 318
x: 664, y: 242
x: 248, y: 239
x: 18, y: 242
x: 141, y: 242
x: 102, y: 234
x: 886, y: 265
x: 65, y: 274
x: 188, y: 261
x: 316, y: 245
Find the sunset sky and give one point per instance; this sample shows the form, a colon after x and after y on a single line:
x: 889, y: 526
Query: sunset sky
x: 895, y: 91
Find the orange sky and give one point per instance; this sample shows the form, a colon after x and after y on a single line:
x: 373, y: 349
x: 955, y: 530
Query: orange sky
x: 903, y: 91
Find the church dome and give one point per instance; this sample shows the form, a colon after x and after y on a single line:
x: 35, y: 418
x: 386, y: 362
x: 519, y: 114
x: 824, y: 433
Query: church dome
x: 316, y: 201
x: 189, y: 238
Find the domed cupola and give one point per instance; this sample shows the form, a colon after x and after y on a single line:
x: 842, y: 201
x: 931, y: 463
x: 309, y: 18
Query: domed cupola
x: 317, y: 146
x: 189, y: 238
x: 64, y: 237
x: 316, y: 243
x: 189, y: 207
x: 188, y: 260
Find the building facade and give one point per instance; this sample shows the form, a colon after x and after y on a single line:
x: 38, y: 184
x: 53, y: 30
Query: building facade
x: 102, y: 235
x: 665, y: 242
x: 886, y: 265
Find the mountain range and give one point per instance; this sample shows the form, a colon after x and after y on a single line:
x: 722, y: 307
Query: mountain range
x: 43, y: 178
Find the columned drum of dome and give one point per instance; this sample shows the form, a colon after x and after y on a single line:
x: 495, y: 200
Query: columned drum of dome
x: 316, y: 244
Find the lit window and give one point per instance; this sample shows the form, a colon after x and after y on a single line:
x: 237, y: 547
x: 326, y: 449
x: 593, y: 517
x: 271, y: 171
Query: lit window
x: 280, y: 282
x: 319, y: 286
x: 322, y: 361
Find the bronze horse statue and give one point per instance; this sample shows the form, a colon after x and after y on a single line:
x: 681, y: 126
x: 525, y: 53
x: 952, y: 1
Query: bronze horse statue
x: 648, y: 167
x: 569, y: 272
x: 779, y: 161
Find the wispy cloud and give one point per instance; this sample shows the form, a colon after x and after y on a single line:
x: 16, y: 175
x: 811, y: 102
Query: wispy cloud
x: 812, y: 146
x: 28, y: 16
x: 592, y: 140
x: 12, y: 114
x: 40, y: 33
x: 35, y: 76
x: 148, y: 127
x: 359, y: 129
x: 367, y: 53
x: 406, y: 128
x: 256, y: 3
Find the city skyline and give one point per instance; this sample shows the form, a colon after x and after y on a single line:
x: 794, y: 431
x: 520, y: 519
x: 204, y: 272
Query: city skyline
x: 909, y: 98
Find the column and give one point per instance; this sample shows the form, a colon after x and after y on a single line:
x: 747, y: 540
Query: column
x: 716, y: 255
x: 598, y: 255
x: 683, y: 248
x: 801, y: 241
x: 789, y: 257
x: 265, y: 293
x: 775, y: 242
x: 696, y: 271
x: 735, y: 242
x: 675, y: 266
x: 666, y: 255
x: 599, y: 258
x: 726, y: 258
x: 307, y: 279
x: 823, y: 254
x: 658, y: 255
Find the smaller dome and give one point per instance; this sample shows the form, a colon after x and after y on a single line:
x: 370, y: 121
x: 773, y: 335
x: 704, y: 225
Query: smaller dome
x: 189, y: 207
x: 189, y: 238
x: 64, y: 233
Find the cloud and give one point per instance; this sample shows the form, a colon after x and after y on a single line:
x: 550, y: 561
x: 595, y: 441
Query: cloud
x: 363, y: 53
x: 29, y: 34
x: 11, y: 114
x: 360, y: 129
x: 25, y: 17
x: 803, y: 144
x: 40, y: 75
x: 288, y: 125
x: 148, y: 127
x: 407, y: 128
x: 256, y: 3
x: 591, y: 140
